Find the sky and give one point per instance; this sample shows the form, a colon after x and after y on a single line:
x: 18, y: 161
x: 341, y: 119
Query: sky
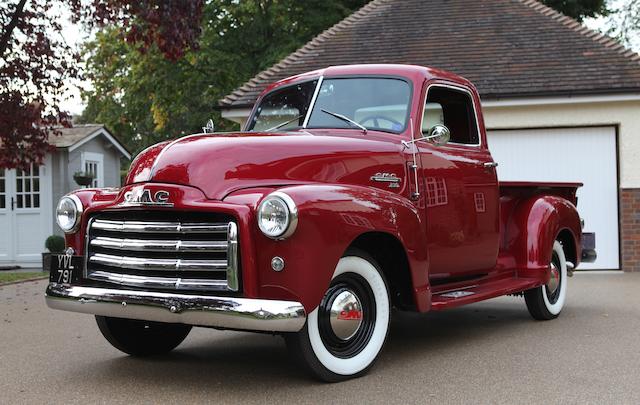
x: 75, y: 36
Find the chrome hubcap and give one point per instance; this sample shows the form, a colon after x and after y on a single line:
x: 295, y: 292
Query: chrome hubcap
x: 345, y: 316
x: 554, y: 280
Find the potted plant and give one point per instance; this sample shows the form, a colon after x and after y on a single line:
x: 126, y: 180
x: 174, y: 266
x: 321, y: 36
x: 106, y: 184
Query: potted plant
x: 83, y: 178
x: 54, y: 244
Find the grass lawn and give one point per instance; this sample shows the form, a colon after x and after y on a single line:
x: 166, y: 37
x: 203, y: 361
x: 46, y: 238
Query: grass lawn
x: 9, y: 276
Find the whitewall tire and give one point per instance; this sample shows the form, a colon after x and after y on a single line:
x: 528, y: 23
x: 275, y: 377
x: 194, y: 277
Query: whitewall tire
x: 546, y: 302
x: 345, y: 333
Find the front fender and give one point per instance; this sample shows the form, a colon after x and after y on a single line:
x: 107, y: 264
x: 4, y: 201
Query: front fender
x: 533, y: 227
x: 330, y: 218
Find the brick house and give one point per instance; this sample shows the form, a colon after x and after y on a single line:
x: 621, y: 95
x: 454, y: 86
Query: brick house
x: 561, y: 102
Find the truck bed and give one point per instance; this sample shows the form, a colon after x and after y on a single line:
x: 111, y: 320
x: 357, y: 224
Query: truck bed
x: 521, y: 189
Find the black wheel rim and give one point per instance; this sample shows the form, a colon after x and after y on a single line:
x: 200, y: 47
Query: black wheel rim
x: 351, y: 346
x: 553, y: 295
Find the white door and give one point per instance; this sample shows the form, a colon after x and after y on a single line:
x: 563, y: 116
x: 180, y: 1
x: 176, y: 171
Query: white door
x: 585, y: 155
x: 6, y: 218
x: 25, y: 214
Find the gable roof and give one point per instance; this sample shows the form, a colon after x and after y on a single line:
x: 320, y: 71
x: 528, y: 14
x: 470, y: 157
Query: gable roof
x: 78, y: 135
x: 507, y: 48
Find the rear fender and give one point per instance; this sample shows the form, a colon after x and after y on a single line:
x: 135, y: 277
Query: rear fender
x: 533, y: 226
x: 330, y: 218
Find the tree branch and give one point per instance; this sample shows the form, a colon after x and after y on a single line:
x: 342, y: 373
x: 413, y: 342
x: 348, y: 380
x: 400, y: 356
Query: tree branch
x: 6, y: 35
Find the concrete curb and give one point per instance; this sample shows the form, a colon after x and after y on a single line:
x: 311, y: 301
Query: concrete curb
x: 26, y: 280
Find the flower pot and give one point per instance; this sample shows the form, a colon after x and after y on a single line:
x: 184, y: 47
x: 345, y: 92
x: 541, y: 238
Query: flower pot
x: 83, y: 180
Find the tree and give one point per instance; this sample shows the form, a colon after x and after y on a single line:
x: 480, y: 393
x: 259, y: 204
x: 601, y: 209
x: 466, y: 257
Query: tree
x: 147, y: 98
x: 579, y: 9
x: 624, y: 23
x: 36, y: 62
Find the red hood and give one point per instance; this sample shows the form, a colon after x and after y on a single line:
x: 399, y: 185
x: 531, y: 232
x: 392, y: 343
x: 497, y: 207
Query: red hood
x: 219, y: 164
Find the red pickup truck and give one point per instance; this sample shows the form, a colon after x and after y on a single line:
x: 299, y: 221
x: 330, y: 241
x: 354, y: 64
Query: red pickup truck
x: 351, y: 191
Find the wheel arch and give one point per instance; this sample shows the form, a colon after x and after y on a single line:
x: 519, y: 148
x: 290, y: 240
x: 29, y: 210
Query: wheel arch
x: 390, y: 254
x: 569, y: 245
x: 534, y: 226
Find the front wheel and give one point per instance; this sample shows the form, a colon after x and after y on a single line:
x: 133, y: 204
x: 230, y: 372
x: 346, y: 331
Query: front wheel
x: 345, y: 333
x: 546, y: 302
x: 142, y: 338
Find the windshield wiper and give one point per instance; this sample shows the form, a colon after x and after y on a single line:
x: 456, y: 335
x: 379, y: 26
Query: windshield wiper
x: 346, y: 119
x: 285, y: 123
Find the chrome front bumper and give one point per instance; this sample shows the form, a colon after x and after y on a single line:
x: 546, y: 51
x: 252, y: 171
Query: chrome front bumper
x: 198, y: 310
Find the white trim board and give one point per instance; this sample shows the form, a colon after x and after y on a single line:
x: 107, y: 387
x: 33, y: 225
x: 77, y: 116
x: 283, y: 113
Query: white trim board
x: 559, y: 100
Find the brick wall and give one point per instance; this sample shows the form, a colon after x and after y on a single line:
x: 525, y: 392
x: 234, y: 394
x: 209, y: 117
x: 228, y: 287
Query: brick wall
x: 630, y: 228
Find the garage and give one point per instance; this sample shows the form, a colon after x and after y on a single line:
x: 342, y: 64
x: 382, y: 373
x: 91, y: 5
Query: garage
x: 579, y: 154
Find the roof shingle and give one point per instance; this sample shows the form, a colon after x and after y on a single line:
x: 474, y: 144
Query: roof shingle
x: 70, y: 136
x: 507, y: 48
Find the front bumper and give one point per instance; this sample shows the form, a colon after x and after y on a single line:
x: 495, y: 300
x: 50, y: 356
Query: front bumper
x: 198, y: 310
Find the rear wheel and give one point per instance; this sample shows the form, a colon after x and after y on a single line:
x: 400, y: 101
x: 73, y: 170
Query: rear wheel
x: 142, y: 338
x: 344, y: 335
x: 546, y: 302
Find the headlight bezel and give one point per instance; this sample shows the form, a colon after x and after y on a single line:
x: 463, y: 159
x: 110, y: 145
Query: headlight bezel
x: 78, y: 213
x: 292, y: 215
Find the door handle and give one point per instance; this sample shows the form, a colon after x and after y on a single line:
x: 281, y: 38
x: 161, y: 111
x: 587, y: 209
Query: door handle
x: 13, y: 203
x: 489, y: 165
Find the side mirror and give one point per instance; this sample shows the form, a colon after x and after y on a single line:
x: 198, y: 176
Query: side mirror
x: 439, y: 135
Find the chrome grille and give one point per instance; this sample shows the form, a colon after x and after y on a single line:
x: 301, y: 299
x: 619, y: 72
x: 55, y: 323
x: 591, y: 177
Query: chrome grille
x: 188, y: 254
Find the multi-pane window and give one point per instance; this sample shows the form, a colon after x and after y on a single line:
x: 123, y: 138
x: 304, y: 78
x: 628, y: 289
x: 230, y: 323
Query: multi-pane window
x: 28, y: 187
x: 91, y: 167
x: 3, y: 190
x: 480, y: 202
x: 436, y: 191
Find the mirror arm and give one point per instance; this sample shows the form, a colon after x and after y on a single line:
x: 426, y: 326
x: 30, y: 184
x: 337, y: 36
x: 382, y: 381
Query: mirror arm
x: 406, y: 144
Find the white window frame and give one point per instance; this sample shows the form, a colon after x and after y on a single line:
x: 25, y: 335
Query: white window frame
x: 95, y: 158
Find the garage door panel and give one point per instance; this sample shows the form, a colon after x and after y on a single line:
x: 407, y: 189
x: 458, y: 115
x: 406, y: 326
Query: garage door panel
x: 586, y: 155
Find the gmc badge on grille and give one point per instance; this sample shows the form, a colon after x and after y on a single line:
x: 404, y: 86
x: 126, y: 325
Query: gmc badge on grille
x: 145, y: 197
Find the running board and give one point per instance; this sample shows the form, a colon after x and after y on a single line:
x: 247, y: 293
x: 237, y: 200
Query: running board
x: 481, y: 292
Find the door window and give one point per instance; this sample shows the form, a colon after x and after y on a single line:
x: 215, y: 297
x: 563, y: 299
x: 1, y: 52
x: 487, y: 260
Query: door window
x: 454, y: 109
x: 91, y: 167
x: 28, y: 187
x: 3, y: 190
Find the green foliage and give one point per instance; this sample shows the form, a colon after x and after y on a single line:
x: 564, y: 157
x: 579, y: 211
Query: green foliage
x: 146, y: 98
x: 11, y: 276
x: 624, y: 23
x: 55, y: 244
x: 579, y: 9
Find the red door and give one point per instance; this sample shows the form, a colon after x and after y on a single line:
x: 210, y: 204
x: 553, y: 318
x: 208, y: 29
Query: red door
x: 461, y: 194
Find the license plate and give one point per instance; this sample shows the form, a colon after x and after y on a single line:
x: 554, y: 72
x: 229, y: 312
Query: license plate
x: 66, y: 269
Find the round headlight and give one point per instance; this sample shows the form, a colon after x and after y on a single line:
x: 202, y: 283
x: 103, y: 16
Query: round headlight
x: 277, y: 216
x: 68, y: 213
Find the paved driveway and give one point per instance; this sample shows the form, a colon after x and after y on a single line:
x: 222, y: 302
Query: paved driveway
x: 491, y: 352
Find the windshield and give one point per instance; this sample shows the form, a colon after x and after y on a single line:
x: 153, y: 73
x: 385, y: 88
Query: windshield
x: 373, y: 103
x: 284, y: 108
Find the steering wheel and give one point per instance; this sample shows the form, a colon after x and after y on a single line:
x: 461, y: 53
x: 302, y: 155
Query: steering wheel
x: 376, y: 123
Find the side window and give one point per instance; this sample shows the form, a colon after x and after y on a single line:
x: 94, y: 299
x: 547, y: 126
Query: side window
x: 454, y: 109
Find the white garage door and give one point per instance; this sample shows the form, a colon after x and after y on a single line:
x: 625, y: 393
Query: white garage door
x: 586, y: 155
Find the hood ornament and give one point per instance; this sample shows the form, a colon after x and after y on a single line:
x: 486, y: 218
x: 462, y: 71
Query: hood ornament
x: 209, y: 128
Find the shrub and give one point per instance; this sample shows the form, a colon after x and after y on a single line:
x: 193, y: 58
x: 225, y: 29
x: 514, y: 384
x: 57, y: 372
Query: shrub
x: 55, y: 244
